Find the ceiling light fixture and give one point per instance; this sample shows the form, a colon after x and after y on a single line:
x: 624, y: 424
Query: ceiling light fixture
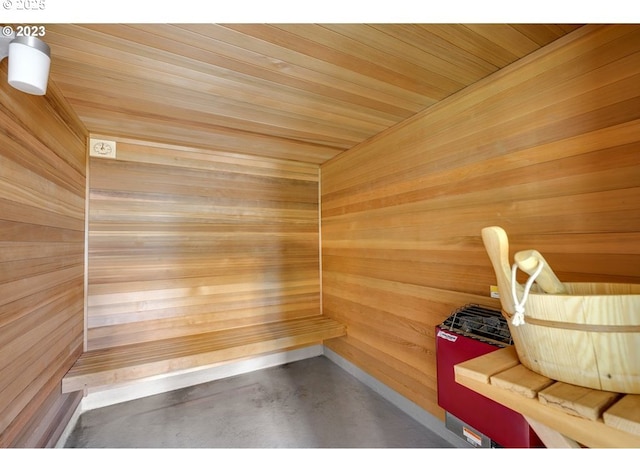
x: 29, y: 62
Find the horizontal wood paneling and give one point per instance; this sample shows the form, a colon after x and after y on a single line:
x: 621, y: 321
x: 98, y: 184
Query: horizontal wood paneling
x: 302, y: 92
x: 42, y: 206
x: 548, y: 148
x: 185, y: 241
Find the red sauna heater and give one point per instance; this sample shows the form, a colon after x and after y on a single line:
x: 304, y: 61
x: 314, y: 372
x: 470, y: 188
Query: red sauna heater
x: 468, y: 333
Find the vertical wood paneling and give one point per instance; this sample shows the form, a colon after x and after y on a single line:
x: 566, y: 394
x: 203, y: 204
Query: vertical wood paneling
x: 184, y: 241
x: 42, y: 193
x: 548, y: 148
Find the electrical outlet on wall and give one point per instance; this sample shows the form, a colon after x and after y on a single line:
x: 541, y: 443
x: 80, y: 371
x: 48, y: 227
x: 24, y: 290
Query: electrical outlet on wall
x: 102, y: 148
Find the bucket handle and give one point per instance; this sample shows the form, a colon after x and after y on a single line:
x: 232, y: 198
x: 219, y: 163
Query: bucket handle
x: 518, y: 317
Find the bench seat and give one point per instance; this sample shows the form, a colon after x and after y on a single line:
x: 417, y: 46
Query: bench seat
x: 103, y: 367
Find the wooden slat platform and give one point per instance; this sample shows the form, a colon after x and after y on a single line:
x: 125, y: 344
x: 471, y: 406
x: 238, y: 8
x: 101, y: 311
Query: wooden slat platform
x: 563, y: 413
x: 125, y: 363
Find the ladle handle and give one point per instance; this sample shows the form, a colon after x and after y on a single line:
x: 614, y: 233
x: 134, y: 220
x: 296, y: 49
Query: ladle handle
x: 528, y: 261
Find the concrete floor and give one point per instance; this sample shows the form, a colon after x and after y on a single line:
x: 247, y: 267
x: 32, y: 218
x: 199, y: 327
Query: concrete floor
x: 309, y: 403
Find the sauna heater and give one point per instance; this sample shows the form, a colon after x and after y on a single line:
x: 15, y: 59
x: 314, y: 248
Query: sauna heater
x: 469, y: 332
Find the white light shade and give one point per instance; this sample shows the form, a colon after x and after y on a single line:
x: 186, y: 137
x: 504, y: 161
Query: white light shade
x: 29, y: 62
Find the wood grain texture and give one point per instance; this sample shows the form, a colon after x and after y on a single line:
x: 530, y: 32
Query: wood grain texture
x: 550, y: 437
x: 483, y: 368
x: 105, y: 367
x: 576, y: 400
x: 42, y: 195
x: 521, y: 380
x: 547, y: 148
x: 574, y: 414
x: 298, y: 92
x: 185, y: 241
x: 625, y: 414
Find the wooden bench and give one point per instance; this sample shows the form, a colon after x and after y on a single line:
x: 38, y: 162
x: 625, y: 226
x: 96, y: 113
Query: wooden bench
x: 115, y: 365
x: 562, y: 415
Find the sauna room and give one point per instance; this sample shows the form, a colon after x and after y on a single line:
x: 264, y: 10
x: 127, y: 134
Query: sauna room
x: 181, y: 203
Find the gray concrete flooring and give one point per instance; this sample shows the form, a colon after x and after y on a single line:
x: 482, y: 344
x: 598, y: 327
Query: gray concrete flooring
x: 309, y: 403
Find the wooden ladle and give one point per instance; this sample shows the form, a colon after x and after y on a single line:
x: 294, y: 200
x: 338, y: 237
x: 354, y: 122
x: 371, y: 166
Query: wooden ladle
x: 528, y: 260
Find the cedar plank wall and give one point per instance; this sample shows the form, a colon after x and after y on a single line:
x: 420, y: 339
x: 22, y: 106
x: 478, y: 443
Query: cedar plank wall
x: 548, y: 148
x: 184, y: 241
x: 42, y: 204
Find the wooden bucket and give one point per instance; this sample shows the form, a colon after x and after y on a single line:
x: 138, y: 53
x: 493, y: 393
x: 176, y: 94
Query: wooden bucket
x: 589, y: 336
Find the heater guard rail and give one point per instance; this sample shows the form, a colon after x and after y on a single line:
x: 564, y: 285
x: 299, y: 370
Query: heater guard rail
x: 563, y: 415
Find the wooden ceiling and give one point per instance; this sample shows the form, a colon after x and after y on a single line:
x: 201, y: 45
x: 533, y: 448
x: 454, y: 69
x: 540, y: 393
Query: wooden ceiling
x: 298, y: 92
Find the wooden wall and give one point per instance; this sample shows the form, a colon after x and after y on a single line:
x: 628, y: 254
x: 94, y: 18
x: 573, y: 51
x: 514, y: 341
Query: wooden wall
x: 42, y: 205
x: 548, y: 148
x: 183, y: 241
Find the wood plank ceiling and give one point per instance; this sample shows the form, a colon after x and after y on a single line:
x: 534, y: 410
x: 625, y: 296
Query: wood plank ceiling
x: 299, y: 92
